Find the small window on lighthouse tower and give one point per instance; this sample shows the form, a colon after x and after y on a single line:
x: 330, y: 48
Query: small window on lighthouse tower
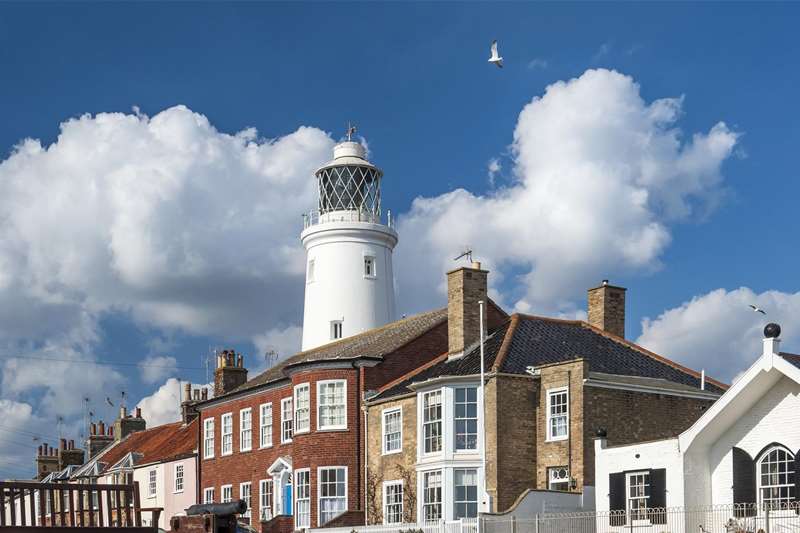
x: 310, y: 274
x: 336, y: 329
x: 369, y: 266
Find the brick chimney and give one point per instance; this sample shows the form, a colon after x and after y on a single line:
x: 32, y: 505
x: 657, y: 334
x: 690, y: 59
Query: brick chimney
x: 607, y: 308
x: 466, y: 286
x: 230, y: 372
x: 68, y: 454
x: 99, y: 437
x: 46, y: 461
x: 189, y: 403
x: 127, y: 424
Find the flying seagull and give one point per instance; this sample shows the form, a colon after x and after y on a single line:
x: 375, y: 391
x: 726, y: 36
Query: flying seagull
x: 757, y: 309
x: 496, y: 59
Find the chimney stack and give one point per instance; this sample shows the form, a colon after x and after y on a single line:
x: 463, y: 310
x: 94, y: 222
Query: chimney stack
x: 466, y: 286
x: 45, y: 462
x: 126, y: 425
x: 230, y: 372
x: 188, y: 405
x: 607, y: 308
x: 98, y: 439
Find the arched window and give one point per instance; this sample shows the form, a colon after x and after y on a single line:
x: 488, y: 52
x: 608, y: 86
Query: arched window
x: 775, y: 478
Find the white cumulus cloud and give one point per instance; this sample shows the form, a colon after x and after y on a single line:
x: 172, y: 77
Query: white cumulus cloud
x: 164, y: 405
x: 719, y: 332
x: 154, y: 368
x: 599, y: 175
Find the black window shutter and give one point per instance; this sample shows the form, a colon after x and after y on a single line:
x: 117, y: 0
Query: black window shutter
x: 658, y: 496
x: 744, y: 483
x: 616, y: 498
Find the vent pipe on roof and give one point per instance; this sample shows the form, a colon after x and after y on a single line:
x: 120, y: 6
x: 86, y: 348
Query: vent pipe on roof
x: 703, y: 379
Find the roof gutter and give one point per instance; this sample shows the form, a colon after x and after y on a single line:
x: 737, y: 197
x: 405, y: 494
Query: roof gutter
x: 603, y: 384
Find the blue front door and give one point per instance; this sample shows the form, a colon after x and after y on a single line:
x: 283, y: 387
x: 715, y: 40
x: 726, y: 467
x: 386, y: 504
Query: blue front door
x: 287, y: 499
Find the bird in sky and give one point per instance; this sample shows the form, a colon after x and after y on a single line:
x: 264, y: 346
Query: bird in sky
x: 757, y: 309
x: 496, y: 59
x: 109, y: 402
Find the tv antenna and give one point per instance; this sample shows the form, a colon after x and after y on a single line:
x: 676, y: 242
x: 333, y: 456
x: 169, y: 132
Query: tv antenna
x: 270, y: 357
x: 467, y: 254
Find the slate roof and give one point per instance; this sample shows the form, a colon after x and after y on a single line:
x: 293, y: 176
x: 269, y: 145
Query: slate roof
x: 792, y: 358
x: 160, y: 444
x: 526, y: 340
x: 376, y: 342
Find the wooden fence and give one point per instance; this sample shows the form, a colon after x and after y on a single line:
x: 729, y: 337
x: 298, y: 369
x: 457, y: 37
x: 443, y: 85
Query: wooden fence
x: 54, y: 506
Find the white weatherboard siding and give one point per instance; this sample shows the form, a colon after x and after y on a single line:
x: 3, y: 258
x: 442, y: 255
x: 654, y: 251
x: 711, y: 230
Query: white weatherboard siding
x: 759, y: 410
x: 656, y: 454
x: 774, y: 418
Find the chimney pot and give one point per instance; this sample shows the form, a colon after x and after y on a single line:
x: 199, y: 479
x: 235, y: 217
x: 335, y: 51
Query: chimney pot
x: 62, y: 444
x: 187, y: 391
x: 123, y: 412
x: 93, y: 429
x: 138, y: 412
x: 101, y: 428
x: 606, y: 308
x: 110, y: 431
x: 40, y: 449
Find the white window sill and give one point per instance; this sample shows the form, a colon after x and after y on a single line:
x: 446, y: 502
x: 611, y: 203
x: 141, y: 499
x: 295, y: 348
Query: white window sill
x: 226, y: 454
x: 245, y: 450
x: 556, y: 439
x: 208, y: 457
x: 393, y: 452
x: 370, y: 277
x: 286, y: 441
x: 332, y: 428
x: 302, y: 431
x: 265, y: 446
x: 177, y: 491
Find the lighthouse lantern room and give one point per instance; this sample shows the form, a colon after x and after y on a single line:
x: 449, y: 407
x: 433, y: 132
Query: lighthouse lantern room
x: 349, y: 277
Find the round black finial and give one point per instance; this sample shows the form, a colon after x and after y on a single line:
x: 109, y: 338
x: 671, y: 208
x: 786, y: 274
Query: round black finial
x: 772, y: 330
x: 601, y: 433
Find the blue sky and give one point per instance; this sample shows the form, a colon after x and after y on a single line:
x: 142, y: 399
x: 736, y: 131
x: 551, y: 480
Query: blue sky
x: 414, y: 78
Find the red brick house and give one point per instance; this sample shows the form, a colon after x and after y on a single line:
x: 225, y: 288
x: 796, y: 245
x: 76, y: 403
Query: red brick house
x: 291, y: 440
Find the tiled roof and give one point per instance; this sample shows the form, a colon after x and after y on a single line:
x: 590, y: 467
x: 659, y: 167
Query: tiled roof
x: 526, y: 340
x: 373, y: 343
x: 156, y: 445
x: 792, y: 358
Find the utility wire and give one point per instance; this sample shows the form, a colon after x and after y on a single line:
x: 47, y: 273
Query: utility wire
x: 100, y: 362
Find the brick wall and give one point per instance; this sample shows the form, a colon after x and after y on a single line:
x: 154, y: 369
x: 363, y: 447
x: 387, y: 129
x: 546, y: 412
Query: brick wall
x: 408, y: 357
x: 395, y: 465
x: 630, y: 417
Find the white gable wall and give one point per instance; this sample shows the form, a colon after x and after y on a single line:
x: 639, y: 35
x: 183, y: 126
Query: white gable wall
x: 773, y: 418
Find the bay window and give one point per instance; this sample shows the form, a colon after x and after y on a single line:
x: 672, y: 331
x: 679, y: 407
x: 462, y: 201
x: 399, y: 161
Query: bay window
x: 466, y: 418
x: 432, y: 421
x: 465, y: 497
x: 302, y: 487
x: 432, y: 496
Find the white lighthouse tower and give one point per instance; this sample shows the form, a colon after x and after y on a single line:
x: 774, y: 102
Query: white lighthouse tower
x: 349, y: 277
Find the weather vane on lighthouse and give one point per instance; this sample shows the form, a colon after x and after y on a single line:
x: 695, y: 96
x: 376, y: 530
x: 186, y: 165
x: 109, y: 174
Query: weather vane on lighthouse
x: 351, y: 129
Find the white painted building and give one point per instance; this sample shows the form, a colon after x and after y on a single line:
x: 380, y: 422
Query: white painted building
x: 349, y: 277
x: 743, y: 450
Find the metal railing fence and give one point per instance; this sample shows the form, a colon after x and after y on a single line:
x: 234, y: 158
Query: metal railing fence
x: 463, y: 525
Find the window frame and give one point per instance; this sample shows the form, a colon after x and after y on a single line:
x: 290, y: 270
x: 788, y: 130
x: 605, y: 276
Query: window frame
x: 298, y: 389
x: 550, y: 481
x: 389, y: 412
x: 152, y: 483
x: 373, y: 265
x: 222, y: 448
x: 425, y: 503
x: 261, y: 493
x: 287, y: 420
x: 310, y: 271
x: 646, y: 497
x: 466, y: 419
x: 296, y: 496
x: 779, y: 502
x: 386, y: 485
x: 206, y: 492
x: 242, y: 429
x: 222, y: 493
x: 264, y: 429
x: 477, y: 485
x: 181, y: 477
x: 321, y: 405
x: 337, y: 327
x: 550, y: 417
x: 208, y: 441
x: 320, y: 523
x: 249, y: 500
x: 433, y: 422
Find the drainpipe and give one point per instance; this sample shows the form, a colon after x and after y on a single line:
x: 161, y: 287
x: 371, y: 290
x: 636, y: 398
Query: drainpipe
x: 366, y: 461
x: 483, y: 411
